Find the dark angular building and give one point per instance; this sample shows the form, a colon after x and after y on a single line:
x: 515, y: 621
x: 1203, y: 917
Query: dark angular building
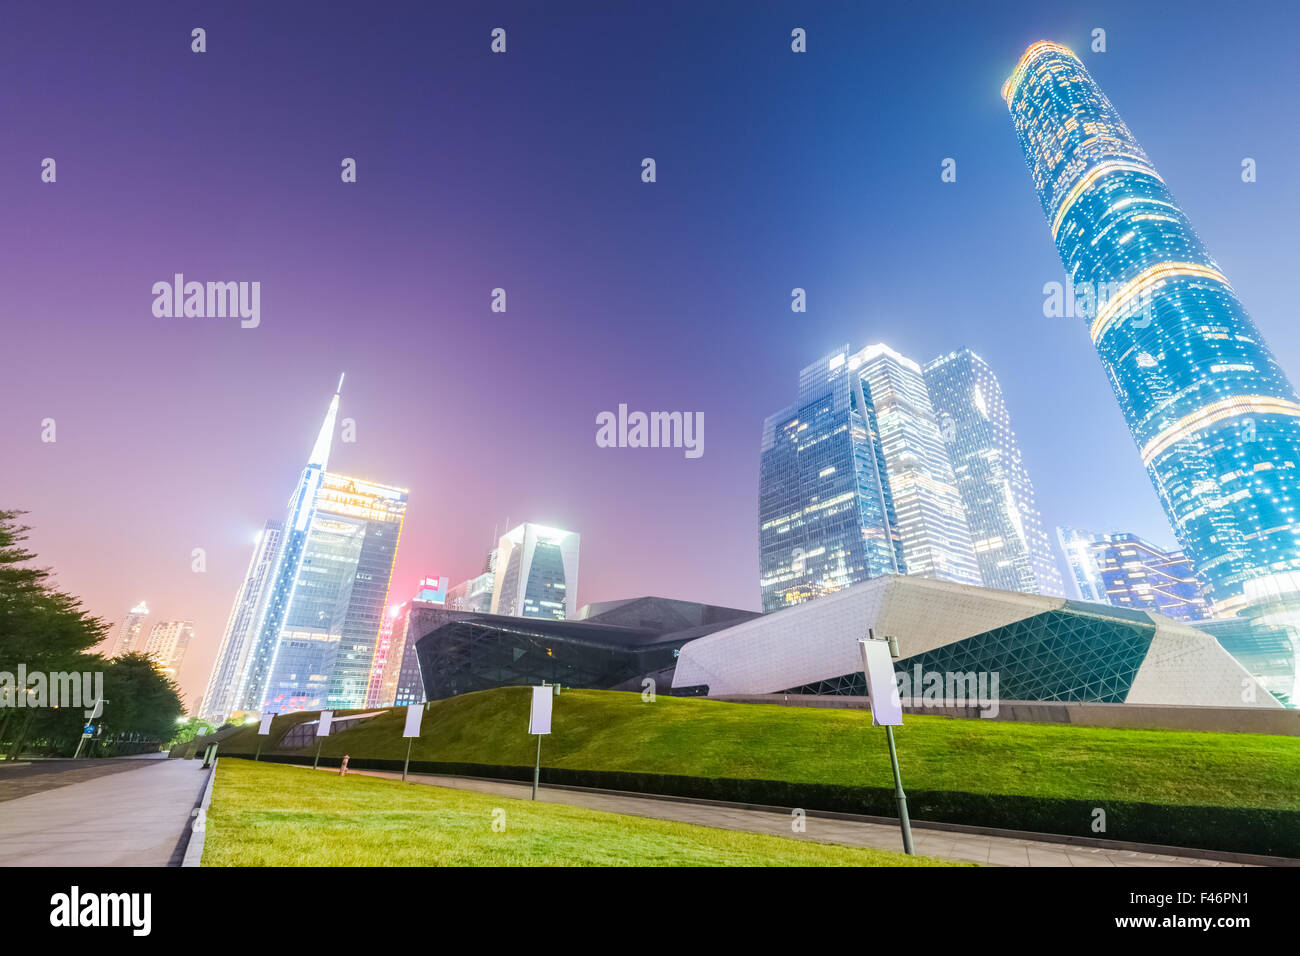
x: 612, y: 645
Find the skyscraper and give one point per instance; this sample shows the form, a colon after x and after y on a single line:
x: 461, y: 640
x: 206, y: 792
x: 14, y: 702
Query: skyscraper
x: 237, y: 639
x: 392, y: 652
x: 1214, y: 417
x: 855, y: 482
x: 406, y: 684
x: 1125, y: 570
x: 128, y: 632
x: 1006, y: 529
x: 319, y: 616
x: 825, y: 511
x: 331, y: 626
x: 168, y: 642
x: 931, y: 518
x: 537, y: 573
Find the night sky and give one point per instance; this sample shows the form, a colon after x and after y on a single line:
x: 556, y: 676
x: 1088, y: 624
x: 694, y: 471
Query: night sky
x: 523, y: 171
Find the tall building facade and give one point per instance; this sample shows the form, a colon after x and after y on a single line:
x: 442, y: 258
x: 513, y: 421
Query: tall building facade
x: 331, y: 626
x: 931, y: 519
x: 537, y: 573
x: 168, y: 642
x: 1215, y: 419
x: 237, y: 639
x: 1006, y: 528
x: 825, y: 511
x: 320, y: 612
x: 127, y: 638
x: 1125, y: 570
x: 407, y: 681
x: 392, y: 653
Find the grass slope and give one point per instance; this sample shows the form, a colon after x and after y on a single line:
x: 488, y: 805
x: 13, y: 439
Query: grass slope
x: 274, y: 815
x: 604, y: 730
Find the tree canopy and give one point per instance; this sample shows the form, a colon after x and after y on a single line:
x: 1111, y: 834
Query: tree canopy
x: 47, y: 631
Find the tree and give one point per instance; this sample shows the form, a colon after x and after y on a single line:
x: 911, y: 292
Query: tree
x: 49, y: 632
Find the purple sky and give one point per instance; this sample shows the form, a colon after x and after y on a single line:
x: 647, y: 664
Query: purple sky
x: 522, y: 171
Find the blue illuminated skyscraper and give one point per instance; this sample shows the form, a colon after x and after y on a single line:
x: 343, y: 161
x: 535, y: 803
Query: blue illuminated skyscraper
x: 1214, y: 417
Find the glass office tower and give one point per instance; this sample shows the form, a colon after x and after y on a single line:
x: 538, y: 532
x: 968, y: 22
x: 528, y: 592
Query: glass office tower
x: 1006, y: 529
x: 825, y: 513
x: 1215, y: 419
x: 331, y: 626
x: 931, y: 518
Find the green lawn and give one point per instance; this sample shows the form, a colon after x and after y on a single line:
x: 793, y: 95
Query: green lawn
x: 275, y: 815
x: 603, y: 730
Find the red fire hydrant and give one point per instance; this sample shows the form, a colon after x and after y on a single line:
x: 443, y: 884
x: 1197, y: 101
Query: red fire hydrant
x: 343, y: 767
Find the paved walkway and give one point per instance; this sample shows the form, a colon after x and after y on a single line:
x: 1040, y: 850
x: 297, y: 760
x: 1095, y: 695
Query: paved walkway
x: 19, y: 779
x: 978, y: 847
x: 134, y: 815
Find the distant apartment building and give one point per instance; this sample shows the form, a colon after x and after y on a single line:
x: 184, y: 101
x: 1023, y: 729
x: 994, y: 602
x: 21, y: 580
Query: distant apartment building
x: 127, y: 638
x: 167, y: 644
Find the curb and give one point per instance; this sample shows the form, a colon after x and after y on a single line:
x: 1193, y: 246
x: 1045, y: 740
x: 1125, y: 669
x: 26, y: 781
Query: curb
x: 198, y: 826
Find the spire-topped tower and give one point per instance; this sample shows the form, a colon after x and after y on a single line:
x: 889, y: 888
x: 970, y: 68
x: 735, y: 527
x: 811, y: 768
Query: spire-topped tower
x: 320, y: 452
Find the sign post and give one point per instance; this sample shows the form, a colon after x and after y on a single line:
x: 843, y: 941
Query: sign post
x: 414, y: 714
x: 539, y: 722
x: 263, y: 729
x: 887, y: 710
x: 89, y: 730
x: 322, y: 731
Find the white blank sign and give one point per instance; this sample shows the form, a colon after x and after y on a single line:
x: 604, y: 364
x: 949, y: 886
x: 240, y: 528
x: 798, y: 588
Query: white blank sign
x: 265, y: 727
x: 882, y: 686
x: 323, y: 727
x: 539, y: 718
x: 414, y: 713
